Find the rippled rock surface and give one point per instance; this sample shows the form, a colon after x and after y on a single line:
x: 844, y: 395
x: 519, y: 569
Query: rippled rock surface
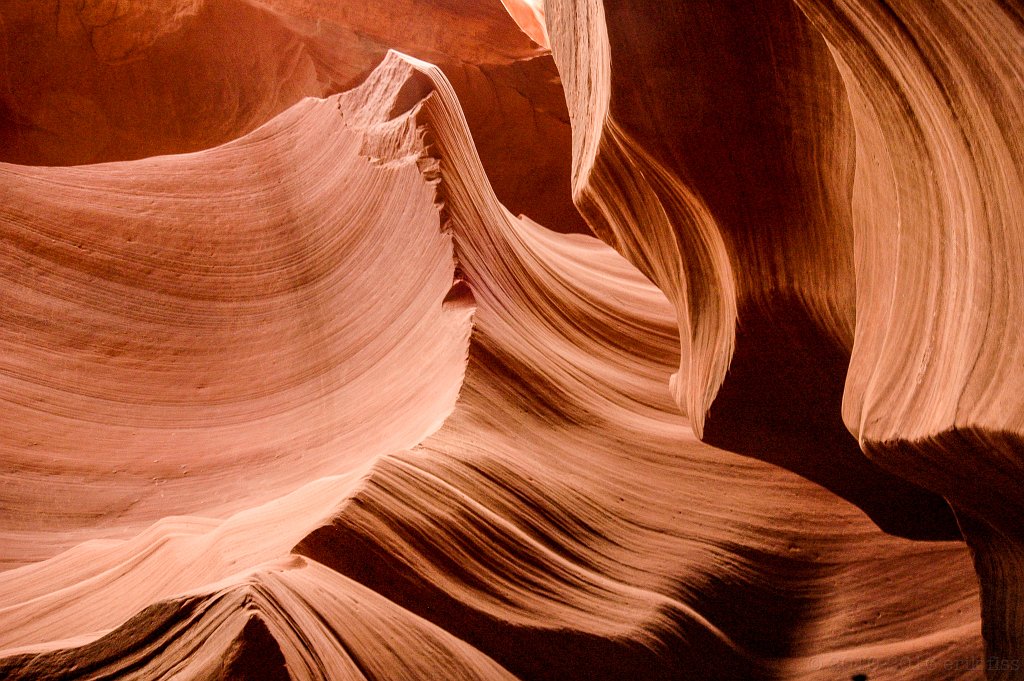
x: 469, y: 340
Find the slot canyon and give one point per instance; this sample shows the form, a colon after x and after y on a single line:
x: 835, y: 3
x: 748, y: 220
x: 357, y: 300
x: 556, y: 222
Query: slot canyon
x: 561, y: 340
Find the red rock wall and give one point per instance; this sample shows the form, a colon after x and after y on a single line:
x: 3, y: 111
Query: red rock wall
x: 598, y: 340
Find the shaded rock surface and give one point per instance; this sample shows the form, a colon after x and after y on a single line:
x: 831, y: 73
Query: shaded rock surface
x: 305, y: 374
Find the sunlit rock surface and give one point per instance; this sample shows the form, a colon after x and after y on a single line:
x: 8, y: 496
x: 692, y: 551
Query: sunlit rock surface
x: 484, y: 340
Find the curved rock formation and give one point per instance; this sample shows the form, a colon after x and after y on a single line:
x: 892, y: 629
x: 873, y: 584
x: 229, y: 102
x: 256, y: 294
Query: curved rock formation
x: 933, y: 391
x: 811, y: 152
x: 307, y: 396
x: 107, y: 81
x: 747, y: 226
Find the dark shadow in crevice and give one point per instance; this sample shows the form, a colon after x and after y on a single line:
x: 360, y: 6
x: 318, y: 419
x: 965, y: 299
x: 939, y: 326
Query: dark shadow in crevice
x: 532, y: 654
x: 781, y: 403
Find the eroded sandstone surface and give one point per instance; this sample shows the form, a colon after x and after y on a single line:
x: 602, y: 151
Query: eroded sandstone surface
x: 470, y: 339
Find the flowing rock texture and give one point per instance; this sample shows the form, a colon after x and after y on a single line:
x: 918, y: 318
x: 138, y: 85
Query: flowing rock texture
x: 470, y: 339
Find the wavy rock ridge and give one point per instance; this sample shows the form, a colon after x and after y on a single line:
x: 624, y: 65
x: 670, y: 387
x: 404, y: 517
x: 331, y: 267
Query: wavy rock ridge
x: 309, y: 396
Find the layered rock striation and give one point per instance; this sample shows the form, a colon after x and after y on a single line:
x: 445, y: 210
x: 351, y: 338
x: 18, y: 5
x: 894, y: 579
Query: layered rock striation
x: 603, y: 340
